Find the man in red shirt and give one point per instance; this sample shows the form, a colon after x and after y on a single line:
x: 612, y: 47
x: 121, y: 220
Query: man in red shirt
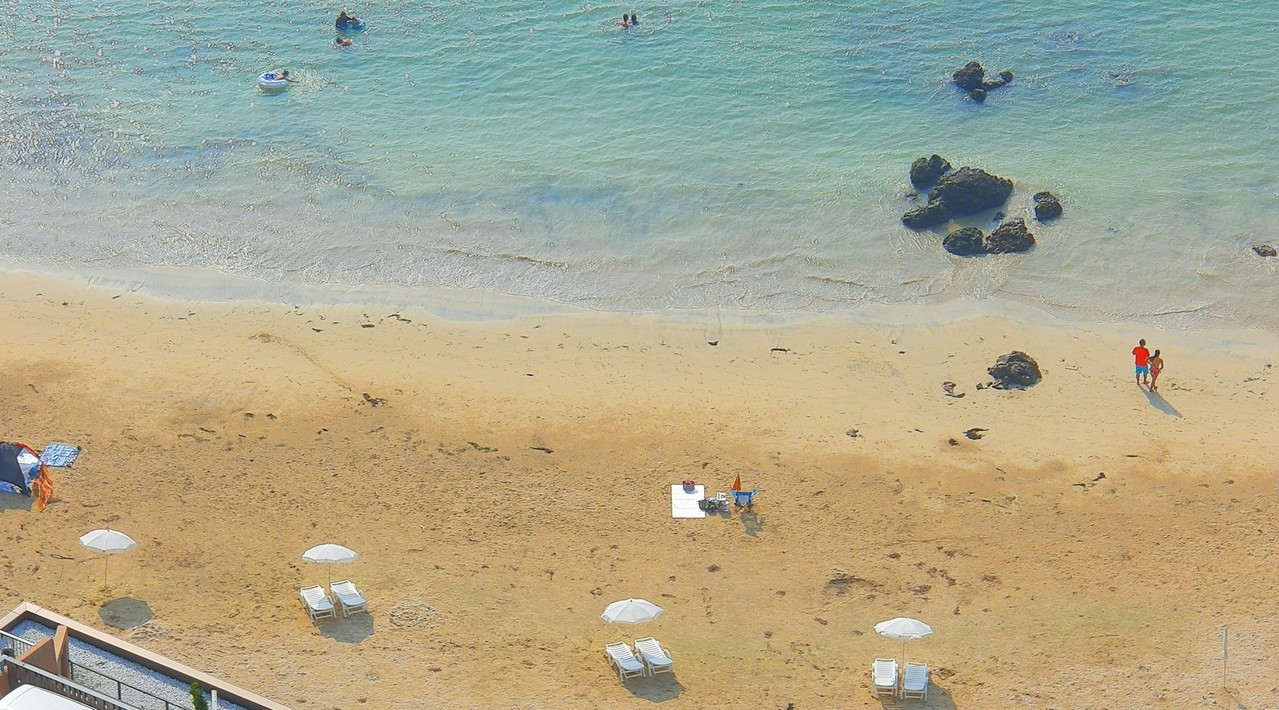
x: 1142, y: 357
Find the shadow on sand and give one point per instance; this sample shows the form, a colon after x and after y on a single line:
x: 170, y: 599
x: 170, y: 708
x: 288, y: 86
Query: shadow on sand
x: 752, y: 524
x: 655, y: 689
x: 125, y: 613
x: 938, y: 699
x: 352, y: 630
x: 16, y: 501
x: 1158, y: 402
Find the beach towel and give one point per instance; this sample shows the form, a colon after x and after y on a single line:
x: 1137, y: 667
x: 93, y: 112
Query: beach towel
x: 59, y: 454
x: 684, y: 503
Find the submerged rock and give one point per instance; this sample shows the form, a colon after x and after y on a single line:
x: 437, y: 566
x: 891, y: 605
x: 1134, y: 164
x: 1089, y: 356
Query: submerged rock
x: 1016, y: 369
x: 1047, y: 206
x: 925, y: 172
x: 968, y: 241
x: 1010, y: 237
x: 1266, y: 250
x: 972, y: 79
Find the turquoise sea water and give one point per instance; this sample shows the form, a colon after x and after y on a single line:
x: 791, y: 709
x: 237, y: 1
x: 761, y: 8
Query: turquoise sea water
x: 744, y: 154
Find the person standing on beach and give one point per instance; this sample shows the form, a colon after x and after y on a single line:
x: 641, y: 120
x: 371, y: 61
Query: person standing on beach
x: 1142, y: 358
x: 1156, y: 365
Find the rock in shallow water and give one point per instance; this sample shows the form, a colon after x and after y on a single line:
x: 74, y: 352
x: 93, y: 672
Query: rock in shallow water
x: 1047, y: 206
x: 968, y: 241
x: 925, y: 172
x: 1010, y: 237
x: 971, y: 190
x: 1266, y: 250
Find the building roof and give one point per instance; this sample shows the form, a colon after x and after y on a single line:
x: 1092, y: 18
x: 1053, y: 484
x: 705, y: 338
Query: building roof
x: 105, y: 654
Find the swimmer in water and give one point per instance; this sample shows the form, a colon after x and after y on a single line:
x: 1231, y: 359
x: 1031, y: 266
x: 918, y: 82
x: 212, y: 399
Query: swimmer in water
x: 347, y: 22
x: 626, y: 20
x: 343, y: 42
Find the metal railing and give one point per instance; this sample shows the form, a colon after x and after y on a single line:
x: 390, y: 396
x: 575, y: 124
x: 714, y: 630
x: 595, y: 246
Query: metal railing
x: 136, y: 697
x: 22, y: 674
x: 17, y: 644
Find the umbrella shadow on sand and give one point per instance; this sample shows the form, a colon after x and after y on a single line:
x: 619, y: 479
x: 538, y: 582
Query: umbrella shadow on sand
x: 125, y: 613
x: 655, y: 689
x: 354, y: 629
x: 938, y: 699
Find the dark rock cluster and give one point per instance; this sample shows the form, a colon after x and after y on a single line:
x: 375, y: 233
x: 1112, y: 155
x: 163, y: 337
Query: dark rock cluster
x: 957, y: 193
x: 1015, y: 370
x: 1266, y: 250
x: 972, y: 79
x: 1008, y: 238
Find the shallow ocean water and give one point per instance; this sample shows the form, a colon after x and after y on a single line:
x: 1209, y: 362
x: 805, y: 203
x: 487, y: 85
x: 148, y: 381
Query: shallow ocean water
x: 747, y: 155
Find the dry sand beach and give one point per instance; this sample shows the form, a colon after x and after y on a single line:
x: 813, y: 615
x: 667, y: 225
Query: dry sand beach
x: 504, y: 480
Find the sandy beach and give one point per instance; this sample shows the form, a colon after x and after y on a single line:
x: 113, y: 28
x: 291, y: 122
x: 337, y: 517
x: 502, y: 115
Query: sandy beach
x: 503, y: 480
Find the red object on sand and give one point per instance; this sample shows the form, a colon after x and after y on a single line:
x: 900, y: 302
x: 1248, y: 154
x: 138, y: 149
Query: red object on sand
x: 688, y: 484
x: 737, y: 483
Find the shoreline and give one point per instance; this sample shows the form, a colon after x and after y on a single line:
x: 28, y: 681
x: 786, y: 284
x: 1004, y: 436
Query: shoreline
x: 503, y: 480
x: 466, y: 305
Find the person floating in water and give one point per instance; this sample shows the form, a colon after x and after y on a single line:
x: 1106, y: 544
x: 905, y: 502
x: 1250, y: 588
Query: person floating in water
x: 631, y: 20
x: 347, y: 22
x: 342, y: 42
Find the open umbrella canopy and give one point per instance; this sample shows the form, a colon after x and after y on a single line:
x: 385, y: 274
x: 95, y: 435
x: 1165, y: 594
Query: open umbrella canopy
x: 329, y: 553
x: 109, y: 542
x: 631, y: 611
x: 903, y: 629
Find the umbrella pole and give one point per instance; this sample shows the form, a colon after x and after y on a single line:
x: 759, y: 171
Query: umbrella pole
x: 105, y: 558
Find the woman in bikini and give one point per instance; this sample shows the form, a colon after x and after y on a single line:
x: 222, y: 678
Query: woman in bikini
x: 1156, y: 364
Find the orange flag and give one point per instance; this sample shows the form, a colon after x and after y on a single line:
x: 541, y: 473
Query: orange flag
x: 737, y: 483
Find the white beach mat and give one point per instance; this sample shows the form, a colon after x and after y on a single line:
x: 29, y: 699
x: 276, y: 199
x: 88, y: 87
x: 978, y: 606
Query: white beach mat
x: 684, y: 504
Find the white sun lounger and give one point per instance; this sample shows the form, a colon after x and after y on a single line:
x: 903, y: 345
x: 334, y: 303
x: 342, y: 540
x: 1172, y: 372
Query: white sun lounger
x: 623, y: 660
x: 684, y: 503
x: 317, y: 603
x: 915, y: 681
x: 349, y: 597
x: 656, y: 658
x: 883, y: 677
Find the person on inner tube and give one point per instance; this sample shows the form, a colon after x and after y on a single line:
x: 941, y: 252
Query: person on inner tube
x: 347, y: 22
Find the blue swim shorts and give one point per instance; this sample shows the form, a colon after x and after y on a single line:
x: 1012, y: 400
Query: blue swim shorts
x: 1143, y: 369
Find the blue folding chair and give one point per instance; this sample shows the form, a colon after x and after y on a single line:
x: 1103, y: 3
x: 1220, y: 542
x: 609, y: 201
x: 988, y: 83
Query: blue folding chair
x: 746, y: 498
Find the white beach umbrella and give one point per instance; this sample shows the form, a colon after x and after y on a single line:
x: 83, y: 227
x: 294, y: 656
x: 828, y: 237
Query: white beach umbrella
x: 108, y: 542
x: 631, y: 611
x: 903, y: 629
x: 329, y: 554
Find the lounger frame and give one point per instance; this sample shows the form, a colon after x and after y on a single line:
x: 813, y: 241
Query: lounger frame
x: 915, y: 681
x: 656, y: 659
x: 349, y: 597
x: 318, y: 604
x: 622, y: 659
